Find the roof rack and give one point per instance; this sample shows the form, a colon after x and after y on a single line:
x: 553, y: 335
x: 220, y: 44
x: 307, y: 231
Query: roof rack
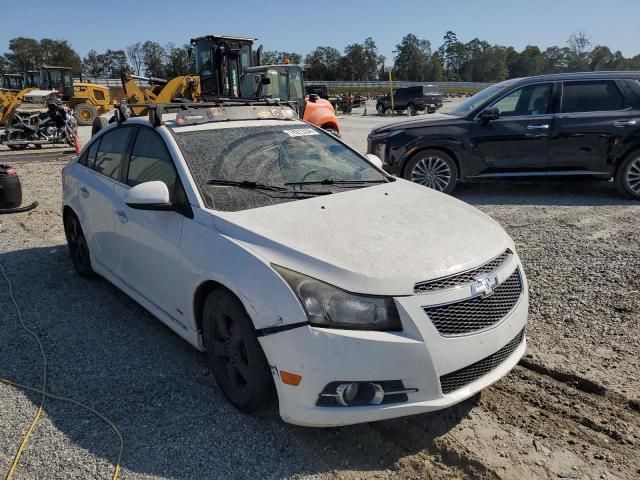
x: 156, y: 111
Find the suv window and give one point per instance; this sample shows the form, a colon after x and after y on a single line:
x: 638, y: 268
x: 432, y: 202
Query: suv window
x: 528, y: 100
x: 111, y: 151
x: 150, y: 160
x: 592, y: 96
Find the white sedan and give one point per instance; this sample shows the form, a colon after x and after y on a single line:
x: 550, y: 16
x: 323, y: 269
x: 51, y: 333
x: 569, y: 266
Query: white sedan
x: 297, y: 264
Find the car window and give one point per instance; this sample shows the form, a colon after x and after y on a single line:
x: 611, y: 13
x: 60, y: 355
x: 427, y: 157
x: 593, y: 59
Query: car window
x: 529, y: 100
x: 277, y: 155
x: 113, y: 145
x: 89, y: 155
x: 592, y: 96
x: 150, y: 160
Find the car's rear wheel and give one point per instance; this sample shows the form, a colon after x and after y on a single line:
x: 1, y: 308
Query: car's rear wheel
x: 234, y: 353
x: 78, y: 248
x: 627, y: 176
x: 380, y: 109
x: 434, y: 169
x: 411, y: 108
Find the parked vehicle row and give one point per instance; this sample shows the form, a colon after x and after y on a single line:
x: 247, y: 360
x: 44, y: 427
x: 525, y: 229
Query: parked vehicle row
x: 564, y: 125
x: 264, y: 241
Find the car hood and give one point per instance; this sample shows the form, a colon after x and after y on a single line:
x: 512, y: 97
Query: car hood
x: 419, y: 123
x: 378, y: 240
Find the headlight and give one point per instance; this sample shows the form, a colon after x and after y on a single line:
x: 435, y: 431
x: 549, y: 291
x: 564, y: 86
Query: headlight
x: 330, y: 307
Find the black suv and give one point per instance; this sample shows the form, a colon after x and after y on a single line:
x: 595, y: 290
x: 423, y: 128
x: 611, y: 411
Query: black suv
x: 578, y: 124
x: 412, y: 99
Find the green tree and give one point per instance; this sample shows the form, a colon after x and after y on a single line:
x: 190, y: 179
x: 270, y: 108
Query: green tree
x: 275, y: 57
x: 24, y: 54
x: 178, y: 61
x: 153, y: 56
x: 555, y: 59
x: 528, y: 62
x: 578, y: 58
x: 322, y: 64
x: 412, y: 59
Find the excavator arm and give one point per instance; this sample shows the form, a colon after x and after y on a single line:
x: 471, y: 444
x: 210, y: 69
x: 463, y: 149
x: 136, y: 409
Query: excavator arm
x: 185, y: 87
x: 8, y: 103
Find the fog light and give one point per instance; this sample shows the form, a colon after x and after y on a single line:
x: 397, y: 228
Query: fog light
x: 345, y: 393
x: 358, y: 394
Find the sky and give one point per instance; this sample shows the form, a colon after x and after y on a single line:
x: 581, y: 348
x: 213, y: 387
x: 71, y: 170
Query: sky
x: 300, y: 26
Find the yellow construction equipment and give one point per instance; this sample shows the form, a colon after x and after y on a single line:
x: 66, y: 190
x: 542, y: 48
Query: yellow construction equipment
x: 8, y: 102
x: 185, y: 87
x: 87, y: 100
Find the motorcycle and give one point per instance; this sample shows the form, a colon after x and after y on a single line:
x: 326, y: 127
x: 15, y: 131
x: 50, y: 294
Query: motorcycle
x: 57, y: 125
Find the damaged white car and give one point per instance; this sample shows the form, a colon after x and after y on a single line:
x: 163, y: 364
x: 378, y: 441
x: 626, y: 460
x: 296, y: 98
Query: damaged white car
x: 297, y: 264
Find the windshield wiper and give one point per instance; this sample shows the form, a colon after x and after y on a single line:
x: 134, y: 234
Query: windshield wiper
x: 330, y: 181
x: 250, y: 185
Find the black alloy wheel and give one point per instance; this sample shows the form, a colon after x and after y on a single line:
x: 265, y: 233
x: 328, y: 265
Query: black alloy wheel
x: 234, y: 353
x: 78, y: 248
x: 627, y: 178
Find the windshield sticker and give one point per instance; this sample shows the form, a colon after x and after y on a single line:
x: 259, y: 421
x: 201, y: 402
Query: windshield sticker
x: 301, y: 132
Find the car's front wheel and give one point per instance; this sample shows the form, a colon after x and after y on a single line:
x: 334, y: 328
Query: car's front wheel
x: 234, y: 353
x: 380, y: 109
x: 434, y: 169
x: 627, y: 177
x: 78, y: 248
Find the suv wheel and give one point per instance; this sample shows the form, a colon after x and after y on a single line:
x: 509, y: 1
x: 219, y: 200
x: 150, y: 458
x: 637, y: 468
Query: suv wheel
x: 380, y: 109
x: 234, y: 354
x: 411, y: 108
x: 433, y: 169
x: 627, y: 177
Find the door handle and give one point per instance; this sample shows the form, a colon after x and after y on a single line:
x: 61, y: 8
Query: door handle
x: 122, y: 216
x: 624, y: 123
x: 84, y: 191
x: 544, y: 126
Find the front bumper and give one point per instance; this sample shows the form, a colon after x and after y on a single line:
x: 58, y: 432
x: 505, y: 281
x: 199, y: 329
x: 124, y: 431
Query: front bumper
x: 418, y: 356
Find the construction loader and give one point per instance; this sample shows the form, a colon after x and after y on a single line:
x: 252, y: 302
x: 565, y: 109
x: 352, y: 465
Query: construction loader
x: 228, y: 67
x: 87, y: 100
x: 11, y: 82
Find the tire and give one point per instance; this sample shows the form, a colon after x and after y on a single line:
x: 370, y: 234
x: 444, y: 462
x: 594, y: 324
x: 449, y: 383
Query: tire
x: 15, y: 136
x: 78, y: 248
x: 627, y: 177
x: 412, y: 110
x: 234, y: 353
x: 434, y: 169
x: 85, y: 114
x: 380, y: 109
x: 98, y: 124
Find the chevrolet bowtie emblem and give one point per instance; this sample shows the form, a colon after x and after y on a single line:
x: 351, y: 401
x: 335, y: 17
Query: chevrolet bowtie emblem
x: 483, y: 285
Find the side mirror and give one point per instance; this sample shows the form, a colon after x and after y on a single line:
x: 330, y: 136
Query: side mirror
x: 149, y: 196
x: 265, y: 81
x: 489, y: 114
x: 374, y: 159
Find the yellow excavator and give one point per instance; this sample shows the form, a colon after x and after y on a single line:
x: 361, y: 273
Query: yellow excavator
x: 185, y: 88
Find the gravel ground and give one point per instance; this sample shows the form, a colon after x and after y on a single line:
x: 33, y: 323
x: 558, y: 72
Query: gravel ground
x: 570, y: 410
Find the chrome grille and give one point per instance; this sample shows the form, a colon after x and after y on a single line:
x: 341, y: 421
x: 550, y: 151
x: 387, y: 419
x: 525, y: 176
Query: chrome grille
x: 458, y: 379
x: 477, y: 313
x: 463, y: 278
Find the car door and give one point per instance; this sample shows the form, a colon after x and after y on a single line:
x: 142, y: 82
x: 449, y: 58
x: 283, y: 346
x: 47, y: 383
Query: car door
x: 149, y: 241
x: 96, y: 185
x: 517, y: 143
x: 594, y: 116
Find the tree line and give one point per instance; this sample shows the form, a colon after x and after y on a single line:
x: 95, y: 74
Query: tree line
x: 414, y: 59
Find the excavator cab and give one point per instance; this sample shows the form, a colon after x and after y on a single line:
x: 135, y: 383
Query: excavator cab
x: 11, y: 81
x: 275, y: 81
x: 57, y: 78
x: 31, y: 79
x: 220, y: 61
